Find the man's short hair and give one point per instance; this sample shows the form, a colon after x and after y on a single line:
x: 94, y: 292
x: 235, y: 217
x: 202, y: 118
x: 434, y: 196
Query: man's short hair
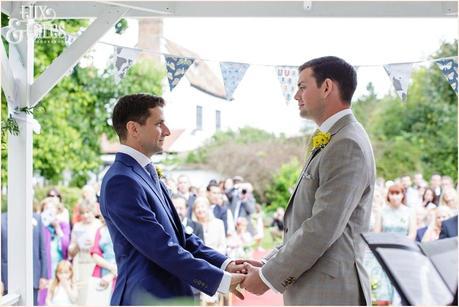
x: 337, y: 70
x: 133, y: 108
x: 211, y: 184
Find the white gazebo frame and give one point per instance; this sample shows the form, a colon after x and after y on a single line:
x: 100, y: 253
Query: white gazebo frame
x: 22, y: 90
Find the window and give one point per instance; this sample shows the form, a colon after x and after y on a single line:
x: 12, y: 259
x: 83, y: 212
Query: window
x: 198, y: 118
x: 218, y: 120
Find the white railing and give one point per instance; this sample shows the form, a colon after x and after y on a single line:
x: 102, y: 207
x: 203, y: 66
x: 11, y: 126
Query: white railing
x: 11, y: 299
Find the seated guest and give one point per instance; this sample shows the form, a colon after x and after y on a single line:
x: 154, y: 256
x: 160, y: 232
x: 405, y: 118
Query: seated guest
x: 432, y: 231
x: 190, y: 225
x: 449, y: 228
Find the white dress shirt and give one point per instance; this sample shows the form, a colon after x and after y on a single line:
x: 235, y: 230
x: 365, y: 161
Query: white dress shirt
x: 143, y: 160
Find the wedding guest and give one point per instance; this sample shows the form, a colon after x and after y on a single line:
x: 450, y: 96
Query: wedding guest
x: 56, y: 233
x: 214, y: 237
x: 449, y: 199
x: 432, y: 231
x: 428, y: 199
x: 62, y: 291
x: 82, y: 239
x: 104, y: 257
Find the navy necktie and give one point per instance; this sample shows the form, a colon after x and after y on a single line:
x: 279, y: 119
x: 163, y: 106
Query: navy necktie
x: 154, y: 176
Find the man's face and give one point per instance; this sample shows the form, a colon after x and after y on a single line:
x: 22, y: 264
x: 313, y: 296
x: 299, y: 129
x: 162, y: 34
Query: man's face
x: 183, y: 184
x: 214, y: 195
x: 310, y: 101
x: 435, y: 181
x: 180, y: 206
x: 406, y: 181
x: 150, y: 136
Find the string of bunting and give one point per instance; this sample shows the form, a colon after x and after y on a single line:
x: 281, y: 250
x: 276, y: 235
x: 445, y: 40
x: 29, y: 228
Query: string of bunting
x: 287, y: 75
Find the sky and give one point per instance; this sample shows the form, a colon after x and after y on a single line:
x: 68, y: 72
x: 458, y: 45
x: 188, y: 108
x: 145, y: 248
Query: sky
x: 265, y: 42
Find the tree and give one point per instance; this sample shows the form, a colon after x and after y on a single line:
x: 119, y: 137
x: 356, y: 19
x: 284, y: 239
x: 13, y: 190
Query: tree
x: 75, y: 113
x: 282, y: 184
x: 419, y: 135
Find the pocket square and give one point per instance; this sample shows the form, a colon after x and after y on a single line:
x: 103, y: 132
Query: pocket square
x: 307, y: 176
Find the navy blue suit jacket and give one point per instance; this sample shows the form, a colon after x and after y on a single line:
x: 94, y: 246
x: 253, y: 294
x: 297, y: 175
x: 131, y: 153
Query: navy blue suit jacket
x: 40, y: 268
x: 449, y: 228
x: 420, y: 233
x: 156, y: 259
x: 221, y: 212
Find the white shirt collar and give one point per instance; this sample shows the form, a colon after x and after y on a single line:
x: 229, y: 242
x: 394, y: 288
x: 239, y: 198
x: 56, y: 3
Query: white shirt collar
x: 142, y: 159
x: 329, y: 122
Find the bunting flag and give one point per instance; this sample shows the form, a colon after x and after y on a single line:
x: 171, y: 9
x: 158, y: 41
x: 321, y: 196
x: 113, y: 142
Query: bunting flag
x: 124, y: 58
x: 176, y: 69
x: 449, y: 70
x: 69, y: 39
x: 288, y: 78
x: 232, y: 74
x: 400, y: 75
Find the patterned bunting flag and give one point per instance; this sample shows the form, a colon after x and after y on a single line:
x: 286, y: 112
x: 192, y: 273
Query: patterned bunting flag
x: 288, y: 78
x: 176, y: 69
x: 449, y: 70
x: 232, y: 74
x: 400, y: 75
x: 124, y: 58
x: 69, y: 39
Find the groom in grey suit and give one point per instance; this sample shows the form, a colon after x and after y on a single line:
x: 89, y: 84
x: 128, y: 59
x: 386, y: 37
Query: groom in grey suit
x: 321, y: 259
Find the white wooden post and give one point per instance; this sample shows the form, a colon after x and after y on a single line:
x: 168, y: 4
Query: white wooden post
x: 20, y: 194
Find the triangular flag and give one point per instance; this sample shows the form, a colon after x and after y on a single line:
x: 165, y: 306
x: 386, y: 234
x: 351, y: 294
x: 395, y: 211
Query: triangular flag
x: 288, y: 78
x: 449, y: 70
x: 176, y: 69
x: 69, y: 39
x: 124, y: 58
x: 400, y: 75
x: 232, y: 74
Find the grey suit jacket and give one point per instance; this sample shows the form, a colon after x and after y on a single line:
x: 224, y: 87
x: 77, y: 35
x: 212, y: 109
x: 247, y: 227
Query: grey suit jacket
x: 321, y: 260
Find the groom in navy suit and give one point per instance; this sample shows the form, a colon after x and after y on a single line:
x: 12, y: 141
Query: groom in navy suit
x: 157, y: 260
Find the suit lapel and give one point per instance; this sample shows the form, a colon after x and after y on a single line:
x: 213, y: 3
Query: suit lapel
x: 175, y: 218
x: 340, y: 124
x: 126, y: 159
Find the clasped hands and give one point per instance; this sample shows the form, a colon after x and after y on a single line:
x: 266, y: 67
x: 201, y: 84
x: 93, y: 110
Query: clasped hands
x: 246, y: 274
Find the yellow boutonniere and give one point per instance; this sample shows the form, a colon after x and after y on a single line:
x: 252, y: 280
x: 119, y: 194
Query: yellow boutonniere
x: 320, y: 139
x: 159, y: 171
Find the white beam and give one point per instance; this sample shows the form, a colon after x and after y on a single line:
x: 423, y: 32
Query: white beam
x: 20, y: 196
x: 70, y: 56
x: 6, y: 7
x: 86, y: 9
x: 8, y: 85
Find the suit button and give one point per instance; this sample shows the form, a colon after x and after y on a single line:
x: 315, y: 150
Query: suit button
x: 286, y: 229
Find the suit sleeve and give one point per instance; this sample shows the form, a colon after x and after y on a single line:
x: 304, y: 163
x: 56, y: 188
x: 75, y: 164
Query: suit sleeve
x: 343, y: 181
x: 42, y: 250
x: 443, y: 231
x: 197, y: 248
x: 137, y: 222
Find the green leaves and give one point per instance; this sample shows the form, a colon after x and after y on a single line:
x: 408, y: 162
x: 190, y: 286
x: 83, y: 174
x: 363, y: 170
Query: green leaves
x: 76, y: 112
x: 419, y: 135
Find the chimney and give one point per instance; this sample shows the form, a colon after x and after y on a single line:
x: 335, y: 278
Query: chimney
x: 150, y: 33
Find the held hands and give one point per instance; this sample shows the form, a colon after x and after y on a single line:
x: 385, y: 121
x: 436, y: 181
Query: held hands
x: 236, y: 279
x: 245, y: 272
x: 252, y: 281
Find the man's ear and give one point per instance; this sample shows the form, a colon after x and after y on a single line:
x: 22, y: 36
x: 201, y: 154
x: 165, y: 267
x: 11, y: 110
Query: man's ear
x: 131, y: 127
x: 327, y: 87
